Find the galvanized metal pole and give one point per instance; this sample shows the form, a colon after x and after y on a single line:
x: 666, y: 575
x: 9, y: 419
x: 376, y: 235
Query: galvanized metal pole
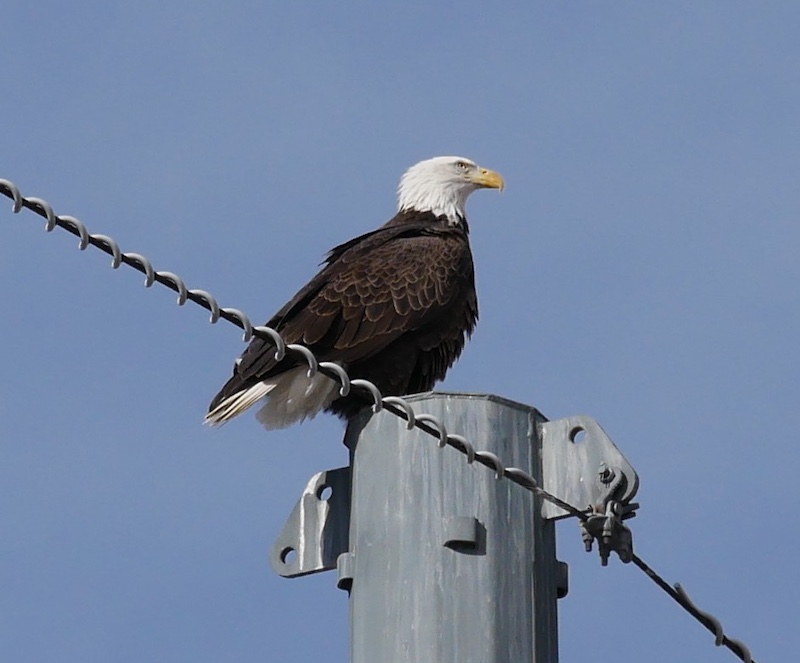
x: 447, y: 564
x: 444, y: 563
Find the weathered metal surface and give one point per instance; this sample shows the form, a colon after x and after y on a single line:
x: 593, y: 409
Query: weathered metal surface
x: 575, y: 452
x: 316, y: 532
x: 443, y: 561
x: 446, y: 562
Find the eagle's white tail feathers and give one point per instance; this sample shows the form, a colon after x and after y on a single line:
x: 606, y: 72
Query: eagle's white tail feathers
x: 296, y: 397
x: 289, y: 399
x: 237, y: 403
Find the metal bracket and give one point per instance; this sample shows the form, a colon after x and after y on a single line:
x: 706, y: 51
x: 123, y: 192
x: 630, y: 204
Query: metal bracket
x: 461, y: 532
x: 317, y: 532
x: 583, y: 467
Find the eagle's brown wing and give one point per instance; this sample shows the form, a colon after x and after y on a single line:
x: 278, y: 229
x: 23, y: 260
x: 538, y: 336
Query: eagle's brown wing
x: 396, y: 286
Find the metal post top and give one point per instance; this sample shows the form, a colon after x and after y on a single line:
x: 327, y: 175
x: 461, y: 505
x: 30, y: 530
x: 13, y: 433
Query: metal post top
x: 468, y: 395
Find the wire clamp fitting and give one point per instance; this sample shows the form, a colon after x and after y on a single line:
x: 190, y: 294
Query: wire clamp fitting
x: 605, y: 523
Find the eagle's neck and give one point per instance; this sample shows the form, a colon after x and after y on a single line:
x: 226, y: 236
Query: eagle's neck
x: 452, y: 216
x: 429, y: 220
x: 443, y: 199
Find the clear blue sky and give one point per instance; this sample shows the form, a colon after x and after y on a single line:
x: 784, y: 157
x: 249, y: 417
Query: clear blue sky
x: 641, y: 267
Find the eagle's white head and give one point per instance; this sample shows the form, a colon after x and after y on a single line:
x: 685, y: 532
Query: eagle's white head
x: 442, y: 185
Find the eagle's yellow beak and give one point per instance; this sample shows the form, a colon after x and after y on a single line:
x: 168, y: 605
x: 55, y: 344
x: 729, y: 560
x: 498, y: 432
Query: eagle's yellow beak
x: 489, y: 179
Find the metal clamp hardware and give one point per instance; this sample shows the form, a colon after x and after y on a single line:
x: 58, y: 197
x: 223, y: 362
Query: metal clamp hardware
x: 605, y: 524
x: 610, y: 532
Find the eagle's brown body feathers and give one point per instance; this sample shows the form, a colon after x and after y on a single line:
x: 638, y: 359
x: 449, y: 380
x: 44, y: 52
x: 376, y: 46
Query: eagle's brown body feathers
x: 392, y: 306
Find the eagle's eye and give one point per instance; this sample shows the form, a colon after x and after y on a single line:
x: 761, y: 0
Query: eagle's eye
x: 462, y: 165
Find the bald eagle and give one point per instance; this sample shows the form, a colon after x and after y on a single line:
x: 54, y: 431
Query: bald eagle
x: 392, y: 306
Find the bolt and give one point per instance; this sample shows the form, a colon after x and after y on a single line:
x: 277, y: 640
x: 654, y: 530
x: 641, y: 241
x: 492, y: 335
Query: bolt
x: 607, y: 475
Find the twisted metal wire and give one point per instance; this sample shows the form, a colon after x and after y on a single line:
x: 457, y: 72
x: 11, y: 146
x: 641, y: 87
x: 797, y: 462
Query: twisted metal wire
x: 679, y: 595
x: 396, y: 405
